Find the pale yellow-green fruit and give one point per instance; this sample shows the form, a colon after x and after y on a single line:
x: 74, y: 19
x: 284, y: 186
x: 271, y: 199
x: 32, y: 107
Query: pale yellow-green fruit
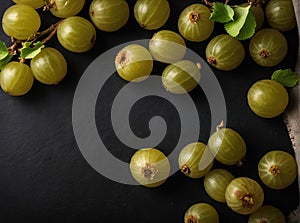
x: 76, y: 34
x: 108, y: 15
x: 149, y: 167
x: 201, y: 212
x: 20, y: 21
x: 134, y: 63
x: 49, y: 66
x: 66, y: 8
x: 195, y: 160
x: 16, y: 78
x: 33, y: 3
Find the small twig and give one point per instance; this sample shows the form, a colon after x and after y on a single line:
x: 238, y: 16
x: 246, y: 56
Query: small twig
x: 13, y: 48
x: 221, y: 125
x: 17, y: 45
x: 34, y: 37
x: 53, y: 32
x: 209, y: 4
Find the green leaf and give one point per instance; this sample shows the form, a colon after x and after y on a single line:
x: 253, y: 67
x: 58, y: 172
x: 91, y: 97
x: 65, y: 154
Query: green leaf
x: 30, y: 50
x: 248, y: 28
x: 240, y: 15
x: 5, y: 61
x: 286, y: 77
x: 221, y: 13
x: 3, y: 50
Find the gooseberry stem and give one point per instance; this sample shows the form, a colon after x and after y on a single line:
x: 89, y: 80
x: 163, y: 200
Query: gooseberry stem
x: 17, y: 45
x: 52, y: 30
x: 210, y: 4
x: 49, y: 4
x: 13, y: 48
x: 221, y: 125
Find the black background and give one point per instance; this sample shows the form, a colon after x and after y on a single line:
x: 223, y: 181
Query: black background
x: 44, y: 177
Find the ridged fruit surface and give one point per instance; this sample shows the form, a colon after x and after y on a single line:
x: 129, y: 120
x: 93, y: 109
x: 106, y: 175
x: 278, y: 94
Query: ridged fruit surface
x: 76, y: 34
x: 268, y: 47
x: 194, y: 23
x: 49, y: 66
x: 181, y: 77
x: 150, y: 167
x: 267, y: 98
x: 109, y: 16
x: 228, y: 146
x: 195, y: 160
x: 20, y: 21
x: 134, y: 63
x: 225, y: 52
x: 16, y: 78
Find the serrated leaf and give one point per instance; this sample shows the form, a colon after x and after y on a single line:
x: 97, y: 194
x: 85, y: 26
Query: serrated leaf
x: 248, y: 28
x: 30, y: 50
x: 5, y: 60
x: 221, y: 13
x: 3, y: 50
x: 240, y: 15
x: 286, y: 77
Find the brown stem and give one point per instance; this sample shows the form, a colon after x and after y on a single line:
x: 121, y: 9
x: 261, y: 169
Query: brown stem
x: 50, y: 30
x: 17, y: 45
x: 22, y: 60
x: 210, y: 4
x: 221, y: 125
x: 13, y: 48
x: 53, y: 31
x: 49, y: 4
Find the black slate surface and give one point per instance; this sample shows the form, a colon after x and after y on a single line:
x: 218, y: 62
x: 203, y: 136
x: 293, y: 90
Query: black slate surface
x: 44, y: 177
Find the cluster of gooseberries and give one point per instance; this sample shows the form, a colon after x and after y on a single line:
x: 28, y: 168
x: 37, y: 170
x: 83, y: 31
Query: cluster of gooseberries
x: 277, y: 169
x: 149, y: 166
x: 47, y: 65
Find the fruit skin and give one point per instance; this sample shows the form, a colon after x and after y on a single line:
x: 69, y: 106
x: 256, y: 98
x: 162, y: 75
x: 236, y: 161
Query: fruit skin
x: 215, y: 183
x: 67, y: 8
x: 194, y: 23
x: 134, y: 63
x: 281, y: 15
x: 267, y: 213
x: 267, y: 98
x: 16, y: 78
x: 109, y: 16
x: 151, y: 14
x: 150, y: 167
x: 49, y: 66
x: 33, y: 3
x: 225, y: 52
x: 268, y: 47
x: 194, y: 160
x: 76, y: 34
x: 167, y: 46
x: 181, y: 77
x: 277, y: 169
x: 202, y: 213
x: 20, y: 21
x: 244, y: 195
x: 259, y: 15
x: 228, y: 146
